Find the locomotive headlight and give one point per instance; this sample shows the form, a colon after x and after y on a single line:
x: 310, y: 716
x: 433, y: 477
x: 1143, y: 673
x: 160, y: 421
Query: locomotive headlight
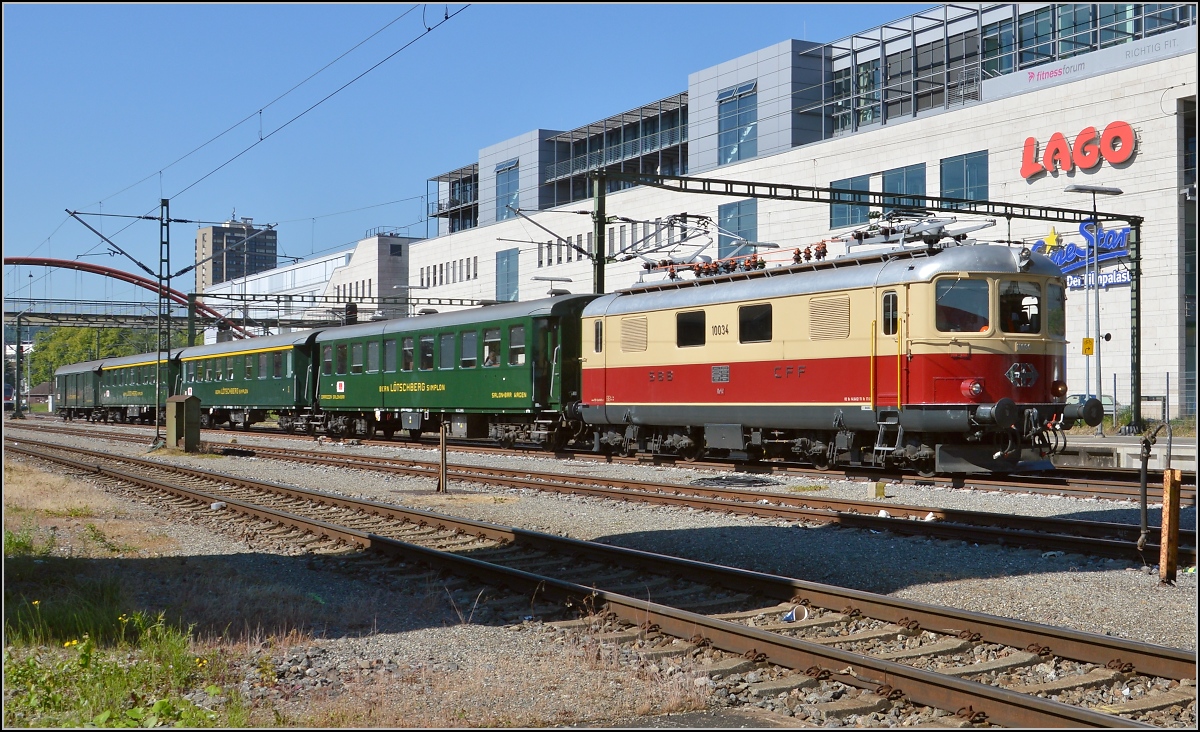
x: 972, y: 388
x: 1059, y: 389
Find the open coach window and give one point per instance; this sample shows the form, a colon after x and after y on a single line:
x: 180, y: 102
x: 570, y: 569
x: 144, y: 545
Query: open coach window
x: 962, y: 305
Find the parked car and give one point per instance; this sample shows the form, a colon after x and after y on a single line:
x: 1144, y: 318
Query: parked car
x: 1106, y: 400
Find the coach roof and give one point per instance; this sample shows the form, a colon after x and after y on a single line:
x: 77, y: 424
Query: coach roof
x: 246, y: 345
x: 78, y: 368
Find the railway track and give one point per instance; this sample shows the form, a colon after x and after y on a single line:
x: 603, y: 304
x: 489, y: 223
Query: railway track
x: 1095, y: 538
x: 1112, y: 484
x: 837, y: 652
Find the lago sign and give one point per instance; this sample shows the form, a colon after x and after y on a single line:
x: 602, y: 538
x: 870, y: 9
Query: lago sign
x: 1115, y: 144
x: 1110, y: 244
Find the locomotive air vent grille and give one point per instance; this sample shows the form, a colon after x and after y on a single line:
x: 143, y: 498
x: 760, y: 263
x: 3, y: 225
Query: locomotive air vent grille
x: 829, y: 318
x: 633, y: 334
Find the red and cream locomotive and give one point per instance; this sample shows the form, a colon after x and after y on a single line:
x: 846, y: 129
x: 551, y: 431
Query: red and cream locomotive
x: 942, y: 359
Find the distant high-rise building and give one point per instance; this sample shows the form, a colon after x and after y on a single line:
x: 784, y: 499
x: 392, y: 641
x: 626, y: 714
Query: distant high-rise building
x: 231, y: 258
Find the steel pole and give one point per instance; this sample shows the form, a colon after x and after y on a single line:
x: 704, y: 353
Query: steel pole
x: 1096, y: 267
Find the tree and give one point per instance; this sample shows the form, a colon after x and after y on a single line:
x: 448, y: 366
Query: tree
x: 57, y: 347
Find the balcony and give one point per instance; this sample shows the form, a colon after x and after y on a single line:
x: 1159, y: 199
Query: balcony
x: 618, y: 153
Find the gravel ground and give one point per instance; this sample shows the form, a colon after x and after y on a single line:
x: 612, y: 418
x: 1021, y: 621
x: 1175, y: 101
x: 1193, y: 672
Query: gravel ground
x: 1094, y: 595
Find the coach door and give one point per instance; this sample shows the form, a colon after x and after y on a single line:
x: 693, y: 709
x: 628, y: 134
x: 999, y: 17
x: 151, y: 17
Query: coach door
x: 888, y: 365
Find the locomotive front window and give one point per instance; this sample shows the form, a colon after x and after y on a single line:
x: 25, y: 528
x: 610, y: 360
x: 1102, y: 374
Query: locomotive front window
x: 962, y: 306
x: 689, y: 329
x: 1056, y: 310
x: 326, y: 361
x: 446, y: 351
x: 343, y: 358
x: 516, y: 345
x: 406, y: 364
x: 389, y: 355
x: 754, y: 323
x: 470, y: 352
x: 372, y: 357
x: 426, y: 353
x: 356, y: 358
x: 890, y: 313
x: 491, y: 347
x: 1020, y: 306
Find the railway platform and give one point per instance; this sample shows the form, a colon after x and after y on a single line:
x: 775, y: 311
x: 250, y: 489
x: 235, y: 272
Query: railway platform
x: 1125, y: 451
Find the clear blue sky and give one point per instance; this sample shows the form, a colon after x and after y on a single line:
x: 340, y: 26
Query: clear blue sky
x: 103, y: 102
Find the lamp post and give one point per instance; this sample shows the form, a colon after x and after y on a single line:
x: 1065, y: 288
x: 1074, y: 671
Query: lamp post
x: 1094, y: 257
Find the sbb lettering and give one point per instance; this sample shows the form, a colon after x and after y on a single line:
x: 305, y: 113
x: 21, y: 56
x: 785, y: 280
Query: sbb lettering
x: 1115, y: 145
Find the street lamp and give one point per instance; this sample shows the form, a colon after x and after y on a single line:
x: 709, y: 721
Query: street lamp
x: 1094, y: 256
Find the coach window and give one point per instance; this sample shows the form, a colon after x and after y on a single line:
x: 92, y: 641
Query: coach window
x: 343, y: 360
x: 389, y: 356
x: 326, y: 361
x: 288, y: 365
x: 516, y: 345
x: 1020, y: 307
x: 262, y: 365
x: 208, y: 370
x: 470, y: 349
x: 277, y: 364
x: 221, y: 369
x: 406, y: 364
x: 754, y: 323
x: 890, y: 314
x: 249, y: 367
x: 446, y: 351
x: 962, y: 305
x: 599, y: 333
x: 689, y: 329
x: 372, y: 357
x: 426, y: 354
x: 356, y: 358
x: 229, y: 368
x: 491, y: 347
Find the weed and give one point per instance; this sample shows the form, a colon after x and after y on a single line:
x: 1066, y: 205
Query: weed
x: 97, y: 535
x: 24, y: 543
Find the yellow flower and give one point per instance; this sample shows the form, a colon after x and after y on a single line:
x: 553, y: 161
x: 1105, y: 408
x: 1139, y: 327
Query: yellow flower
x: 70, y: 643
x: 37, y: 602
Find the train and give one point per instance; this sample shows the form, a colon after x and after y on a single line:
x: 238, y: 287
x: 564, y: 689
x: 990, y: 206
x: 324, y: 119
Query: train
x: 948, y: 358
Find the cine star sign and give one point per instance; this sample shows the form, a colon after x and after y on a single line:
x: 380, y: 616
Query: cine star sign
x: 1115, y: 145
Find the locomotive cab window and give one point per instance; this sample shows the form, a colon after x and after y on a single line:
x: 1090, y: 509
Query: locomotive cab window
x: 754, y: 323
x: 689, y: 329
x: 1056, y: 310
x: 516, y: 345
x: 891, y: 314
x: 491, y: 347
x: 962, y: 305
x: 326, y: 362
x: 1020, y: 306
x: 470, y: 349
x: 426, y: 353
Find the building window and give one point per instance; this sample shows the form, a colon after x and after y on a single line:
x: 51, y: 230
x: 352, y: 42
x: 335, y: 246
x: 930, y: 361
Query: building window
x: 1075, y: 24
x: 1035, y: 37
x: 910, y: 180
x: 736, y: 221
x: 842, y: 215
x: 867, y: 101
x: 507, y: 275
x: 1117, y: 23
x: 508, y: 186
x: 965, y: 176
x: 737, y: 123
x: 999, y: 43
x: 840, y: 95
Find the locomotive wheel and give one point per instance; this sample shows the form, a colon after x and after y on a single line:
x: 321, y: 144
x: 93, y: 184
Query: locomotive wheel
x: 310, y: 428
x: 507, y: 441
x: 925, y: 469
x: 629, y: 450
x: 820, y: 461
x: 556, y: 441
x: 691, y: 453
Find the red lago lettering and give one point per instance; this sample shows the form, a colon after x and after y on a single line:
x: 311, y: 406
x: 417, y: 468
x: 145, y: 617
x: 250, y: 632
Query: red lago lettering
x: 1115, y: 145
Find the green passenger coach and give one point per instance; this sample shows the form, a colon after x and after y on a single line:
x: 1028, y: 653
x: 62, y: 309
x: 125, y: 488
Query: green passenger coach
x: 76, y: 390
x: 129, y: 385
x: 492, y: 372
x: 238, y: 383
